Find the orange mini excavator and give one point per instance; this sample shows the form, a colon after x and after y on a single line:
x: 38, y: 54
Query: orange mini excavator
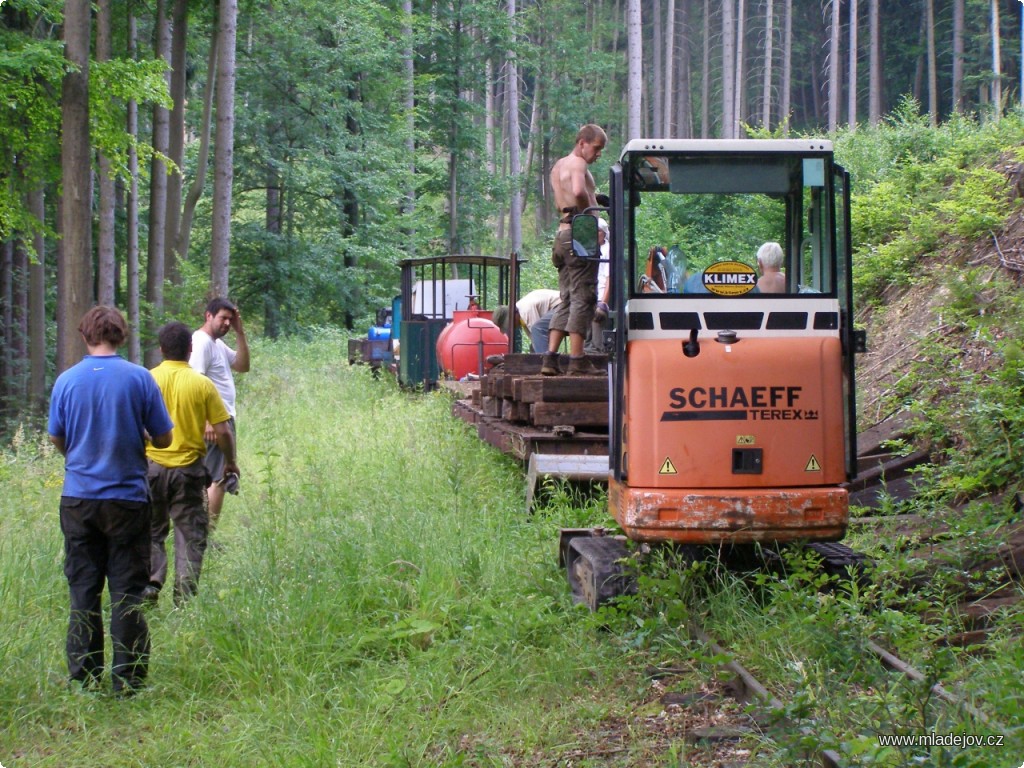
x: 731, y: 408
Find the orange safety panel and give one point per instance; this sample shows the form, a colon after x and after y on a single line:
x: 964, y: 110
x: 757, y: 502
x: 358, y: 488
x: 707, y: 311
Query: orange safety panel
x: 759, y: 413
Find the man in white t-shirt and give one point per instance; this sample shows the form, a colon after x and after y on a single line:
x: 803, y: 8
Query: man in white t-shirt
x: 216, y: 360
x: 595, y: 339
x: 533, y: 313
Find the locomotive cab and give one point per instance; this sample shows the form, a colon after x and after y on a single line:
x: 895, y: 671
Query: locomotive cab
x: 732, y: 407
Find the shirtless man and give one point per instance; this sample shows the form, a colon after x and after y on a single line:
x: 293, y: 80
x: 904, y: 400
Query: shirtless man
x: 574, y: 192
x: 769, y: 262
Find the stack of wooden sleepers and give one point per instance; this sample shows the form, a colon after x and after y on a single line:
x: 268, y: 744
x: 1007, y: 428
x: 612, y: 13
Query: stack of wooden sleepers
x: 521, y: 412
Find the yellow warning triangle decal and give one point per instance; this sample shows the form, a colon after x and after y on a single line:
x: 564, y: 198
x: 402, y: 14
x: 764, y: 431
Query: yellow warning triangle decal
x: 812, y: 465
x: 667, y: 467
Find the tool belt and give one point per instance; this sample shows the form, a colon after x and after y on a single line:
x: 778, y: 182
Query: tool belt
x: 569, y: 213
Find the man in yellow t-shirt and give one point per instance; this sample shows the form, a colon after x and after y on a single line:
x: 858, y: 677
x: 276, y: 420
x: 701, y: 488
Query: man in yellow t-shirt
x: 177, y: 475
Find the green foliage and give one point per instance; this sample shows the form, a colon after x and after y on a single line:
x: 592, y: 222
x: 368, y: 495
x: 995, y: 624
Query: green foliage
x: 111, y: 85
x: 916, y: 185
x: 977, y: 203
x: 30, y: 76
x: 708, y: 228
x: 374, y: 603
x: 969, y: 388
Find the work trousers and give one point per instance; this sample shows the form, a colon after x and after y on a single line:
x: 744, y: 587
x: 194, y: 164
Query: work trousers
x: 539, y: 332
x: 106, y: 540
x: 577, y: 285
x: 177, y: 495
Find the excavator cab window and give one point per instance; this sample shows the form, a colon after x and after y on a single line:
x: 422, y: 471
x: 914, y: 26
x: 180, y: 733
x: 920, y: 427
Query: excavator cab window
x: 717, y: 211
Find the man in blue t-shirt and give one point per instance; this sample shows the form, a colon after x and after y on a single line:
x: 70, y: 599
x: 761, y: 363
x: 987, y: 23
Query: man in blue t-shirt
x: 102, y: 410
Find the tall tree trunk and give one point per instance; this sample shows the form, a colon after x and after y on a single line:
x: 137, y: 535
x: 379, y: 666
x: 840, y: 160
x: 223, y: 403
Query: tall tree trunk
x: 410, y: 116
x: 851, y: 95
x: 933, y: 77
x: 833, y: 68
x: 740, y: 110
x: 8, y: 398
x: 634, y: 88
x: 37, y: 309
x: 874, y: 63
x: 670, y: 66
x: 920, y: 65
x: 531, y: 139
x: 271, y: 310
x: 106, y: 276
x: 958, y: 56
x: 454, y: 245
x: 619, y: 18
x: 786, y: 86
x: 656, y: 105
x: 544, y: 204
x: 132, y: 213
x: 20, y: 328
x: 705, y: 75
x: 350, y: 203
x: 684, y: 102
x: 515, y: 224
x: 223, y: 174
x: 766, y: 88
x: 489, y: 127
x: 997, y: 66
x: 157, y: 195
x: 195, y: 189
x: 816, y: 95
x: 728, y: 70
x: 176, y: 139
x: 74, y: 279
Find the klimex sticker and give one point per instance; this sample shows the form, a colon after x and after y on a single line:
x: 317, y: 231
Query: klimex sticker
x: 729, y: 278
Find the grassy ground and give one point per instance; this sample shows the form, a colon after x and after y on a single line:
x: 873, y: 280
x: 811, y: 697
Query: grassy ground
x: 380, y: 599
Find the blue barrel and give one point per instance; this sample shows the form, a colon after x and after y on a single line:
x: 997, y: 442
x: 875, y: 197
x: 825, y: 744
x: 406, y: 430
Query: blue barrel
x: 378, y: 332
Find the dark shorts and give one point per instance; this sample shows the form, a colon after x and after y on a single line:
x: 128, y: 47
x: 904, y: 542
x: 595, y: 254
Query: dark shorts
x: 215, y: 458
x: 577, y: 285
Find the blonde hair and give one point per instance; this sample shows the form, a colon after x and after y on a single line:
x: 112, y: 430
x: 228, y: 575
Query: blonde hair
x: 591, y: 133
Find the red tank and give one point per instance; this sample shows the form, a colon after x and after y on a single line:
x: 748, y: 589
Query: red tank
x: 463, y: 346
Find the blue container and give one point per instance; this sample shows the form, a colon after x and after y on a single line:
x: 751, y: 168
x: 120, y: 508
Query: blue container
x: 379, y: 332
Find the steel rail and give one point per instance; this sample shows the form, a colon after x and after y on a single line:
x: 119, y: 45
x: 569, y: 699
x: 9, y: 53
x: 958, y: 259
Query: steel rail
x: 896, y: 664
x: 829, y: 758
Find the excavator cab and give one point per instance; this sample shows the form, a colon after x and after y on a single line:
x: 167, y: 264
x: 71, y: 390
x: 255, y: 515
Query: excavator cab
x: 732, y: 408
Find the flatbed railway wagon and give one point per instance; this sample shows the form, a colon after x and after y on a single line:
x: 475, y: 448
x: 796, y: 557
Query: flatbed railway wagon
x: 731, y: 409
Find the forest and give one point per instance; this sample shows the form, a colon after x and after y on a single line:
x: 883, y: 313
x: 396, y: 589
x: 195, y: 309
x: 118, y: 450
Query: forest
x: 290, y: 153
x: 377, y: 597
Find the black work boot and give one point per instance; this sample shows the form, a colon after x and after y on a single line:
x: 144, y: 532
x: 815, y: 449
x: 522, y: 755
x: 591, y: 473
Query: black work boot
x: 549, y: 366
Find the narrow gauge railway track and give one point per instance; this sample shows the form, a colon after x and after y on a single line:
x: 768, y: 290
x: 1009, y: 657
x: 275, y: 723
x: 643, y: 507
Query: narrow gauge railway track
x: 745, y: 688
x: 525, y: 417
x: 562, y: 423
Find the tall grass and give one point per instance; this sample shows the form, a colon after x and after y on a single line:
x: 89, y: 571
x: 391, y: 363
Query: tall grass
x: 380, y: 598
